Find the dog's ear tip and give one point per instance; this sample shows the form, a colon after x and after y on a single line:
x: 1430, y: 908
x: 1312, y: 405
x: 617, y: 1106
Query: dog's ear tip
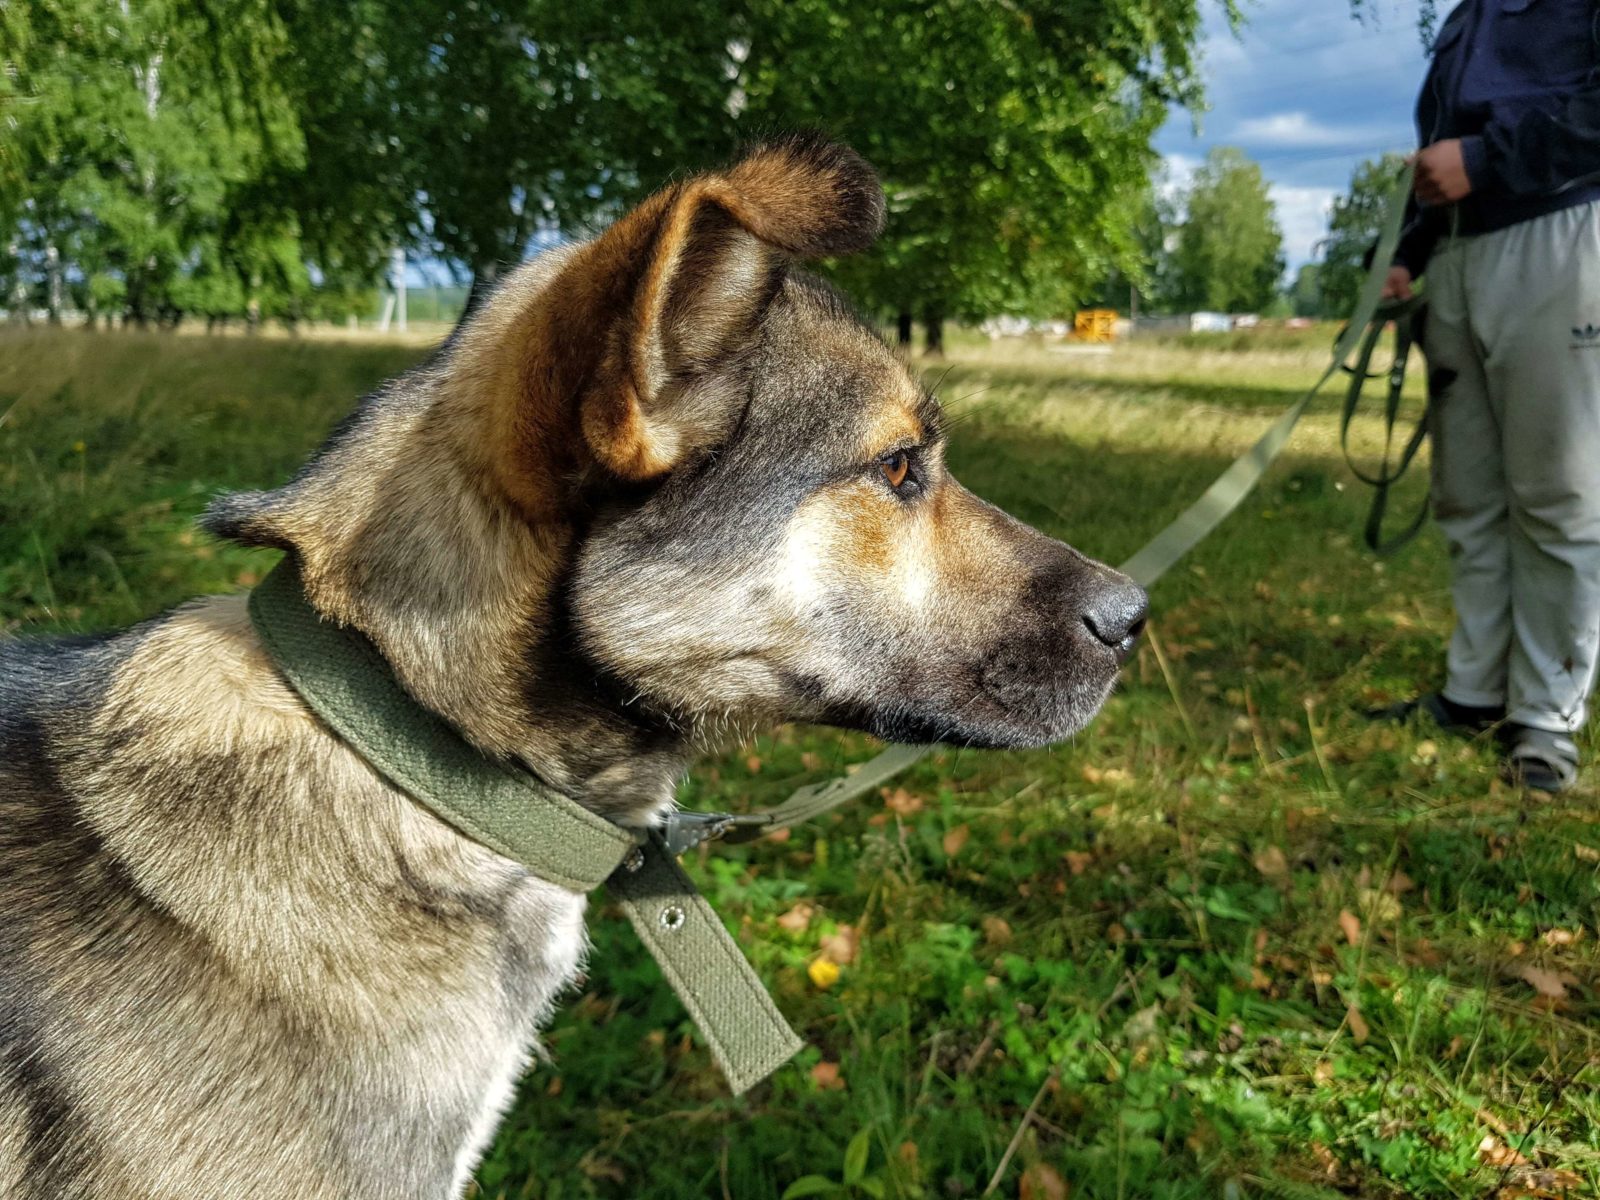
x: 242, y: 517
x: 818, y: 197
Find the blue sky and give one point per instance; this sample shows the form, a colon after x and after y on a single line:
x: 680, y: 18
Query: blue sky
x: 1308, y: 92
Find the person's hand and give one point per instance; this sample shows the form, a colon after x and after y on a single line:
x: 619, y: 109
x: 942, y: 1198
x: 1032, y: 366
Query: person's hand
x: 1397, y: 286
x: 1441, y: 173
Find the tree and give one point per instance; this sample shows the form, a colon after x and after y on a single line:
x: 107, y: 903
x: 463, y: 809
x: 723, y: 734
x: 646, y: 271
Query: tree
x: 147, y: 154
x: 1305, y: 295
x: 261, y: 155
x: 1353, y: 229
x: 1014, y: 139
x: 1229, y: 254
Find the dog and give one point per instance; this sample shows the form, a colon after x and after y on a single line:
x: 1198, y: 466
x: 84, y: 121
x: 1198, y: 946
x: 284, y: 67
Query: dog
x: 660, y: 487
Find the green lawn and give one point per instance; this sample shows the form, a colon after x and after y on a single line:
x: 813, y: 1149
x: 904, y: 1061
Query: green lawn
x: 1233, y: 941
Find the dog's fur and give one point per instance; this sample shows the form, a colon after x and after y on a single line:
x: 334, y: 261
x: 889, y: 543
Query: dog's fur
x: 643, y: 498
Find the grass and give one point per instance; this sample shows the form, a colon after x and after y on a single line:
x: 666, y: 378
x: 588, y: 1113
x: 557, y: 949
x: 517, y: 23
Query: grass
x: 1232, y: 941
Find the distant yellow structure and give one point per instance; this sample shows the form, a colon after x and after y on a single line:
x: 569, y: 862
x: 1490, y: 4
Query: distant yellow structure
x: 1095, y: 325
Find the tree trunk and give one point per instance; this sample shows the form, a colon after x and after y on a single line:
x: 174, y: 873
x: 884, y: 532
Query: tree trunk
x: 483, y: 280
x: 933, y: 331
x: 903, y: 327
x: 52, y: 260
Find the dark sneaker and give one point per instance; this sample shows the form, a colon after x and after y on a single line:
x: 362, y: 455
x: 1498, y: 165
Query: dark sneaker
x: 1464, y: 719
x: 1540, y: 760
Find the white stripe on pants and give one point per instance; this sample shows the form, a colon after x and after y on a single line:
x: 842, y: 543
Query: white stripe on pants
x: 1515, y: 314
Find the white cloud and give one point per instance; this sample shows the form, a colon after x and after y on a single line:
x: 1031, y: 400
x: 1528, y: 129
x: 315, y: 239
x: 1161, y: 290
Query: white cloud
x: 1299, y: 129
x: 1178, y: 174
x: 1303, y: 217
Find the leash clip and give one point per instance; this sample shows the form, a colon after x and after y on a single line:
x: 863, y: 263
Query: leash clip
x: 685, y: 830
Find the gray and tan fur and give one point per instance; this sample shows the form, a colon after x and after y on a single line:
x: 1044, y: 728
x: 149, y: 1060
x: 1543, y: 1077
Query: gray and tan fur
x: 660, y: 486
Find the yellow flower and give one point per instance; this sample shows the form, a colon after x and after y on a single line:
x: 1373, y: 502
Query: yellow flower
x: 78, y: 447
x: 824, y: 973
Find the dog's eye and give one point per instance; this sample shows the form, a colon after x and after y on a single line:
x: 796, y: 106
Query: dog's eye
x: 895, y: 468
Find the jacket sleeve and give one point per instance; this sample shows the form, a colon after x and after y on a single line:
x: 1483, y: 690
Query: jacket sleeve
x: 1541, y: 152
x: 1419, y: 234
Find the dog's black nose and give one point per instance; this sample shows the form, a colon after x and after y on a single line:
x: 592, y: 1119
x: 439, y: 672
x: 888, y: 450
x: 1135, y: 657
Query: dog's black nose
x: 1116, y: 615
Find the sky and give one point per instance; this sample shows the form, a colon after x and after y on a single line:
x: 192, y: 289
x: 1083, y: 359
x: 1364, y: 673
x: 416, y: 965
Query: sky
x: 1308, y: 92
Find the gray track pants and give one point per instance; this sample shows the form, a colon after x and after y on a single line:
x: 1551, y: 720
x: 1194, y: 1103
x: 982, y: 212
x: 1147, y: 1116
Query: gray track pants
x: 1516, y: 462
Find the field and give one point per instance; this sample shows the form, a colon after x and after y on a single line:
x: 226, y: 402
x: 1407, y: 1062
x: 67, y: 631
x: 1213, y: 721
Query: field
x: 1233, y: 941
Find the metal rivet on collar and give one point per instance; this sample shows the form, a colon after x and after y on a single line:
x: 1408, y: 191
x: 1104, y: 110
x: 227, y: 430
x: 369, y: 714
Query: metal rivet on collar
x: 634, y: 861
x: 672, y: 918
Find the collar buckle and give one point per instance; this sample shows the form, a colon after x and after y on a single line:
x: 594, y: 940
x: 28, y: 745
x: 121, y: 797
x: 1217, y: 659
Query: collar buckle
x: 684, y: 831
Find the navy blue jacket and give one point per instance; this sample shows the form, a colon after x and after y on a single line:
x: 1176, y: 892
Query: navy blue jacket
x: 1518, y: 81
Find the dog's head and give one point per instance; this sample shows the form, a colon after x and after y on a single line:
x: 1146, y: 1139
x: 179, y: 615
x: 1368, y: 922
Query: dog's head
x: 730, y: 496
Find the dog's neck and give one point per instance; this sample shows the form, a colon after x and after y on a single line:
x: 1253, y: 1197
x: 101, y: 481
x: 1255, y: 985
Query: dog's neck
x: 401, y: 534
x: 478, y: 633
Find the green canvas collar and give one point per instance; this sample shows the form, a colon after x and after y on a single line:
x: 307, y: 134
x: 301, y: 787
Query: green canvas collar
x: 346, y: 682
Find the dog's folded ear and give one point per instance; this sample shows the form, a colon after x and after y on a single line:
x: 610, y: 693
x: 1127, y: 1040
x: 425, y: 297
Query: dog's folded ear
x: 687, y: 277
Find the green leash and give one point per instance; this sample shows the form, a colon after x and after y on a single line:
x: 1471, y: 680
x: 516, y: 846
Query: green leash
x: 345, y: 681
x: 1405, y: 314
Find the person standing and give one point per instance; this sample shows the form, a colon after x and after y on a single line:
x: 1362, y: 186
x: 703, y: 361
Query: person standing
x: 1505, y: 221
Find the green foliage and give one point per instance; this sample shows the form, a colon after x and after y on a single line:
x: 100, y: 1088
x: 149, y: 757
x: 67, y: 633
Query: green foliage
x: 184, y: 156
x: 1353, y: 231
x: 1229, y: 254
x: 1148, y: 930
x: 1306, y: 297
x: 1013, y: 139
x: 129, y: 159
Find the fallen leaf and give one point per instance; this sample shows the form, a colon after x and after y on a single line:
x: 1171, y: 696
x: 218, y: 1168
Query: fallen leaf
x: 1042, y: 1182
x: 824, y: 973
x: 1586, y: 853
x: 955, y: 839
x: 811, y: 760
x: 1494, y: 1122
x: 1271, y: 862
x: 1562, y: 937
x: 1324, y: 1156
x: 1078, y: 861
x: 1496, y: 1153
x: 1379, y: 906
x: 841, y: 945
x: 1399, y: 883
x: 901, y: 802
x: 826, y: 1076
x: 780, y: 835
x: 996, y: 931
x: 1547, y: 983
x: 1116, y: 933
x: 797, y: 918
x: 1542, y: 1183
x: 1322, y: 1073
x: 1351, y: 924
x: 1359, y: 1029
x: 752, y: 764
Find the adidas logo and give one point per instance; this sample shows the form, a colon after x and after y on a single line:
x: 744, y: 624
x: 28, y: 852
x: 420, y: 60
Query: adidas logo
x: 1586, y: 333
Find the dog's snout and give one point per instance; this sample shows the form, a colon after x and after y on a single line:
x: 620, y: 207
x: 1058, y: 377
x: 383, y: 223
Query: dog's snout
x: 1116, y: 614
